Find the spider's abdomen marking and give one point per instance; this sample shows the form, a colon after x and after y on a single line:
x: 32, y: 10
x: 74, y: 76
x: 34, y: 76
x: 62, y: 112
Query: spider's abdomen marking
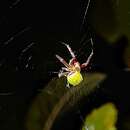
x: 74, y: 78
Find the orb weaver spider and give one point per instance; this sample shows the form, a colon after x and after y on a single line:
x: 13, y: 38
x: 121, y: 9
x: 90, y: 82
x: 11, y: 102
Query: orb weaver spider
x: 72, y: 70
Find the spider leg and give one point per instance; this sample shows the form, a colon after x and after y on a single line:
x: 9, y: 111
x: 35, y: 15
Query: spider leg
x: 89, y: 58
x: 65, y: 69
x: 63, y: 61
x: 61, y: 73
x: 67, y: 85
x: 73, y: 60
x: 70, y: 50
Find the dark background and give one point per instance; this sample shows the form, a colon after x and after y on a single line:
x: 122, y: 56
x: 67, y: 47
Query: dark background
x: 30, y: 32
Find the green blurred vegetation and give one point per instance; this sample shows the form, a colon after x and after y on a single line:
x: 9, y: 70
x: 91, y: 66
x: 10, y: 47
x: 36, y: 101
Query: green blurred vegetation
x: 111, y: 19
x: 56, y: 99
x: 102, y: 118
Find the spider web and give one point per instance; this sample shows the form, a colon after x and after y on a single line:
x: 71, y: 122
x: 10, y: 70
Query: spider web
x: 21, y: 52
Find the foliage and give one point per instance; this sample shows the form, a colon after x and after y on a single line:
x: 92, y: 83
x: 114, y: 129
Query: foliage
x: 102, y: 118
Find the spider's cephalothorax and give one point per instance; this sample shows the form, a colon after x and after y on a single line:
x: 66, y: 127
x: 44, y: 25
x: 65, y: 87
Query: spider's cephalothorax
x: 72, y: 70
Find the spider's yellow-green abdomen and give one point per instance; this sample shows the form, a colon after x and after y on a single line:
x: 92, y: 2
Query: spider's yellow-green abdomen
x: 74, y: 78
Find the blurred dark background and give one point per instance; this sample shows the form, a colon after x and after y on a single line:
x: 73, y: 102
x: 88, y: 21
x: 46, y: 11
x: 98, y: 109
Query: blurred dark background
x: 30, y: 32
x: 29, y: 36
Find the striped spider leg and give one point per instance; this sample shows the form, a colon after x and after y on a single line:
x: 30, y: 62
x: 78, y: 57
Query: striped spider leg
x: 73, y: 62
x: 64, y: 70
x: 85, y: 64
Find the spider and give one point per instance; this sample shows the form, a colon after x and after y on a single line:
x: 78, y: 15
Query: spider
x: 72, y: 69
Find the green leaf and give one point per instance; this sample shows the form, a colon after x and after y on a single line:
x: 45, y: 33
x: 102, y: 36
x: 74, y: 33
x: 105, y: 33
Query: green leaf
x: 102, y: 118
